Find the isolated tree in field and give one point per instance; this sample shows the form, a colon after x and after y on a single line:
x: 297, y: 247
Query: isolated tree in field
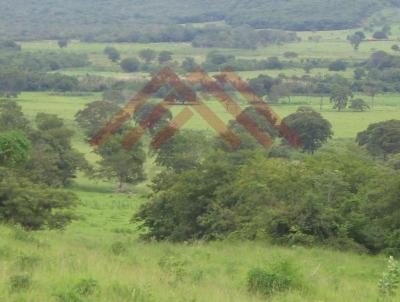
x: 11, y: 116
x: 119, y: 163
x: 359, y: 105
x: 381, y: 138
x: 147, y: 55
x: 112, y: 53
x: 15, y: 148
x: 164, y: 57
x: 309, y: 125
x: 62, y: 43
x: 395, y: 47
x: 130, y: 64
x: 372, y: 89
x: 340, y: 96
x: 356, y: 39
x: 95, y: 115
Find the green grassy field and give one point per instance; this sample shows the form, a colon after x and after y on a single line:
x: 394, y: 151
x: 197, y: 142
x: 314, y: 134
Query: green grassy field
x: 103, y: 248
x: 345, y: 124
x: 332, y: 45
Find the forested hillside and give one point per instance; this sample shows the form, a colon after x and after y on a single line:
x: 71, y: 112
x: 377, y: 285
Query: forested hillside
x: 38, y: 19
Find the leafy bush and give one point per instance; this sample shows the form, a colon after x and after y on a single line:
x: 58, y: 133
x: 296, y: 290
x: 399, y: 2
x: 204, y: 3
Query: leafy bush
x: 277, y: 278
x: 86, y: 287
x: 118, y: 248
x: 390, y: 281
x: 20, y: 282
x: 33, y: 206
x: 78, y: 292
x: 130, y: 64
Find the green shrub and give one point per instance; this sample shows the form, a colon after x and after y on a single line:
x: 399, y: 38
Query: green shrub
x: 79, y: 291
x: 26, y: 262
x: 86, y: 287
x: 118, y: 248
x: 20, y: 282
x: 267, y: 281
x: 390, y: 281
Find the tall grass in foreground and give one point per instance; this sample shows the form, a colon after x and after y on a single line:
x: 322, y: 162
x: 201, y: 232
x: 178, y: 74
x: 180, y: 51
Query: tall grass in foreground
x: 99, y: 258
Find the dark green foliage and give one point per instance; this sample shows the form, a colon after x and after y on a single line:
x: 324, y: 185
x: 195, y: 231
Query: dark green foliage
x: 184, y: 151
x: 383, y: 60
x: 359, y: 105
x: 130, y: 64
x: 339, y: 96
x: 21, y: 282
x: 336, y: 197
x: 311, y: 128
x: 119, y: 163
x: 42, y: 60
x: 11, y: 116
x: 79, y: 291
x: 262, y: 84
x: 277, y: 278
x: 9, y: 45
x: 153, y: 20
x: 118, y: 248
x: 86, y: 287
x: 381, y: 138
x: 95, y: 115
x: 53, y: 161
x: 290, y: 54
x: 181, y: 200
x: 164, y: 56
x: 15, y: 148
x: 33, y: 206
x: 62, y: 43
x: 356, y: 39
x: 380, y: 35
x: 147, y: 55
x: 338, y: 65
x: 112, y: 53
x: 240, y: 37
x: 189, y: 65
x: 395, y: 47
x: 144, y: 112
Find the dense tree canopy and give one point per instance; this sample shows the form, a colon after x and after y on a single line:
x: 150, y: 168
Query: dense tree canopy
x: 381, y: 138
x: 311, y: 128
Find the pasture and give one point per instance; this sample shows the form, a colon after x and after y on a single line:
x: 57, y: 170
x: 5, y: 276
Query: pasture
x: 100, y: 251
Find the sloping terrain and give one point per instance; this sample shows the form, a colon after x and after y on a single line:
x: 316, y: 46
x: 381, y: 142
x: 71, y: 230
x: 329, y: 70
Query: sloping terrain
x: 38, y: 19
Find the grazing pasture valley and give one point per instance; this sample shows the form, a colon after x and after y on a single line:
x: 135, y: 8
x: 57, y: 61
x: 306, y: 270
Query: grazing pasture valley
x: 310, y: 217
